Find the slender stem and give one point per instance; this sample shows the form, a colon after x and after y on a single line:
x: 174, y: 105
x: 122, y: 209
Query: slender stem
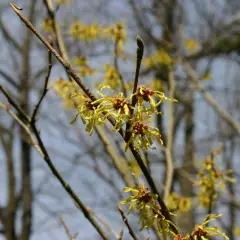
x: 33, y: 118
x: 140, y: 51
x: 15, y: 105
x: 124, y: 218
x: 169, y: 150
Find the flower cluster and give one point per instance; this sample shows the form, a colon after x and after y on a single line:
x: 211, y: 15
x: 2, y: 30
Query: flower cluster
x: 203, y: 231
x: 191, y: 44
x: 47, y: 25
x: 142, y: 134
x: 211, y: 179
x: 111, y: 77
x: 145, y: 202
x: 148, y: 100
x: 118, y: 33
x: 84, y: 32
x: 82, y: 63
x: 159, y: 57
x: 178, y: 203
x: 66, y: 89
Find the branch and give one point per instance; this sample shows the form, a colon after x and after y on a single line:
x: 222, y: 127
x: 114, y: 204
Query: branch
x: 104, y: 223
x: 209, y: 98
x: 140, y: 51
x: 60, y: 42
x: 33, y: 118
x: 57, y: 31
x: 124, y: 218
x: 15, y: 105
x: 169, y: 150
x: 9, y: 79
x: 70, y: 237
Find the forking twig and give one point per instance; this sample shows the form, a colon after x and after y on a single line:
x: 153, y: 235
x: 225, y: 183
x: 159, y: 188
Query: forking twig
x: 70, y: 236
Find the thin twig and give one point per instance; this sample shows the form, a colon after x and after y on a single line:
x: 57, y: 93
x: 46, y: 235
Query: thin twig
x: 104, y: 223
x: 15, y: 105
x: 57, y: 31
x: 140, y: 51
x: 169, y: 150
x: 33, y: 118
x: 124, y: 218
x: 23, y: 125
x: 67, y: 230
x: 120, y: 234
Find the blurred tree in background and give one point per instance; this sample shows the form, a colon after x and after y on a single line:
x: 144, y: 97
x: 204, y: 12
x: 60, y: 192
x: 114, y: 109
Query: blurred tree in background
x: 191, y: 53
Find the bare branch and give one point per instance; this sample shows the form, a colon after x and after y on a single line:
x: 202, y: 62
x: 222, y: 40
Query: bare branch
x: 9, y: 79
x: 169, y: 147
x: 103, y: 222
x: 33, y: 118
x: 124, y: 218
x: 70, y: 236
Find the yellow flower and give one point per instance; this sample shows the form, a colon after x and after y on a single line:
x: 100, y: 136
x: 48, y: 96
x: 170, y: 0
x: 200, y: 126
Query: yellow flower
x: 117, y: 106
x: 159, y: 57
x: 145, y: 202
x: 47, y: 25
x: 206, y: 76
x: 211, y: 180
x: 116, y: 32
x: 84, y: 32
x: 142, y: 135
x: 65, y: 89
x: 111, y: 77
x: 191, y: 44
x: 89, y: 113
x: 202, y: 231
x: 85, y: 69
x: 237, y: 231
x: 80, y: 61
x: 178, y: 203
x: 146, y: 95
